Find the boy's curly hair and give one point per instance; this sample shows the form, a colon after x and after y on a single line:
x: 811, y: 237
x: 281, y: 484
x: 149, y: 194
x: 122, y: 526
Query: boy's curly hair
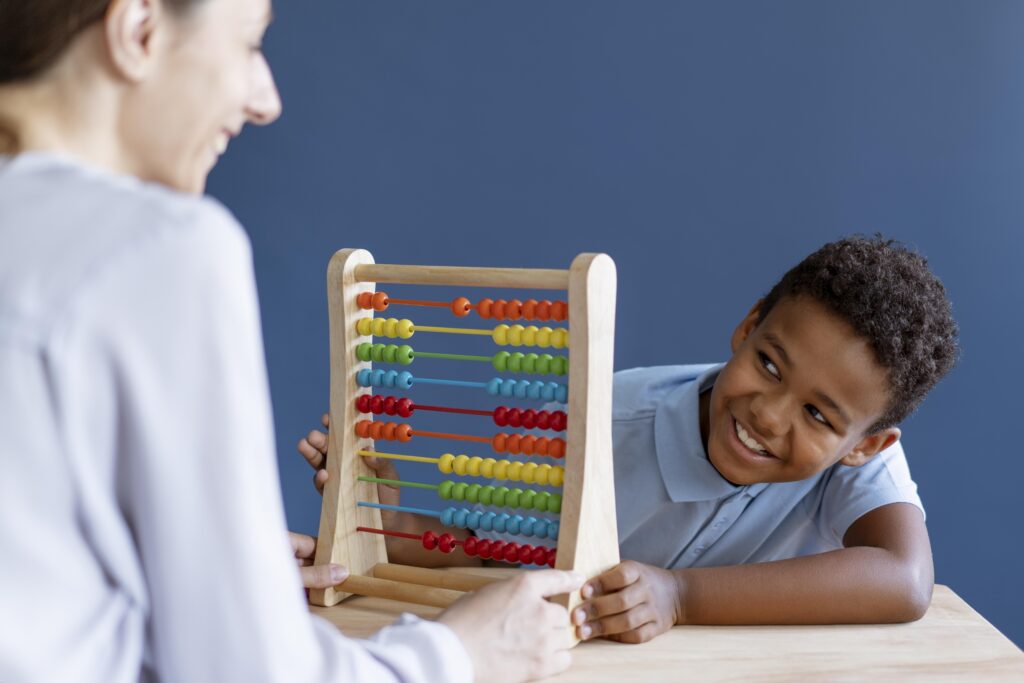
x: 891, y: 298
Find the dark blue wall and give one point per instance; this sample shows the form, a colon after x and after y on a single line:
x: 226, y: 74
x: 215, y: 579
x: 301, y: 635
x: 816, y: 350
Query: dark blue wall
x: 707, y: 146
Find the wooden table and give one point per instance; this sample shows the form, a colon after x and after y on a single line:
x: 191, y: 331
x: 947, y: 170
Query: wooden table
x: 951, y: 642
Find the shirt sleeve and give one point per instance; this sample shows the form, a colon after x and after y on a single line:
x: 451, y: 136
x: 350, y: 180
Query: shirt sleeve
x: 198, y: 481
x: 852, y: 492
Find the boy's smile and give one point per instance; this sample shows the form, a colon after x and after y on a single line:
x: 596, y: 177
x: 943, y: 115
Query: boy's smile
x: 795, y: 398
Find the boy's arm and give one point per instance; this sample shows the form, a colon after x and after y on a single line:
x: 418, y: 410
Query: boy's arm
x: 884, y: 574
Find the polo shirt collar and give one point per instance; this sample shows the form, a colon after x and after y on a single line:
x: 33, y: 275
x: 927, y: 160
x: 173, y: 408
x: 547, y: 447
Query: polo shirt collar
x: 688, y: 474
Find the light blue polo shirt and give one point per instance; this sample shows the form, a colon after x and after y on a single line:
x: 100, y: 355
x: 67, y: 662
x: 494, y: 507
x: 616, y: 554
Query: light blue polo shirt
x: 675, y: 510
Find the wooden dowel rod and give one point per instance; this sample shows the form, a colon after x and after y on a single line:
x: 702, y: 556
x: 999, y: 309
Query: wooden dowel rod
x: 432, y: 577
x: 519, y: 278
x: 395, y: 590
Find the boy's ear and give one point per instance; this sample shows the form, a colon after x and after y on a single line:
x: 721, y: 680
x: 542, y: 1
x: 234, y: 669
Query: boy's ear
x: 871, y: 445
x: 746, y: 326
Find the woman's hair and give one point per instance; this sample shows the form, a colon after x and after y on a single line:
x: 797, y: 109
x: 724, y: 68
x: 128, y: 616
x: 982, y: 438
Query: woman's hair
x: 35, y: 33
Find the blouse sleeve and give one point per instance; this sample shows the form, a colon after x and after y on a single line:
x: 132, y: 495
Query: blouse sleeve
x: 198, y: 482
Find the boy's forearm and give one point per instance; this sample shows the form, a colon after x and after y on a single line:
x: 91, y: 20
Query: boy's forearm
x: 854, y: 585
x: 408, y: 551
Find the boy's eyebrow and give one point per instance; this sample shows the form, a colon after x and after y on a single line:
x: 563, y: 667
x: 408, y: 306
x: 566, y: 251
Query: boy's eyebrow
x: 822, y: 396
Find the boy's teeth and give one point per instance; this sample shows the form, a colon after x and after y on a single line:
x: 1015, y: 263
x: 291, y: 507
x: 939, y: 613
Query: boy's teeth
x: 748, y: 441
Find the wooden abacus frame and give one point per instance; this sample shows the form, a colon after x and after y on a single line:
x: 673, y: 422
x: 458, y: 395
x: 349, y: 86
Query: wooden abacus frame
x: 588, y: 540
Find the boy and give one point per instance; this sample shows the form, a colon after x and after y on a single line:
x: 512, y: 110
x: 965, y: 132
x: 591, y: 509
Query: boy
x: 773, y: 489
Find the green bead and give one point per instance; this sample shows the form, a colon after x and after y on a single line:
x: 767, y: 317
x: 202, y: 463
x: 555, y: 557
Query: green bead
x: 512, y: 498
x: 404, y: 354
x: 363, y: 351
x: 445, y: 489
x: 530, y: 362
x: 389, y: 353
x: 459, y: 491
x: 526, y: 500
x: 499, y: 495
x: 559, y: 365
x: 377, y: 351
x: 540, y: 501
x: 486, y: 492
x: 473, y: 493
x: 555, y: 503
x: 500, y: 360
x: 544, y: 363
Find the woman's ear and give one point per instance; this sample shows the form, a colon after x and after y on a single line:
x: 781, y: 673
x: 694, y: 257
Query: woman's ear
x: 871, y: 445
x: 746, y: 326
x: 130, y: 26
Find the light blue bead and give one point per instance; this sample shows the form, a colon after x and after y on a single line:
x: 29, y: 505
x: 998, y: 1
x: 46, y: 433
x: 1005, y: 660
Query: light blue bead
x: 364, y: 377
x: 494, y: 386
x: 533, y: 391
x: 405, y: 380
x: 521, y: 388
x: 473, y: 519
x: 487, y: 521
x: 562, y: 394
x: 460, y: 518
x: 446, y: 516
x: 553, y: 531
x: 507, y: 387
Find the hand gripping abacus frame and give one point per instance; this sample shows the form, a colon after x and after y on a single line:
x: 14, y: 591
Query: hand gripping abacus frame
x: 587, y: 540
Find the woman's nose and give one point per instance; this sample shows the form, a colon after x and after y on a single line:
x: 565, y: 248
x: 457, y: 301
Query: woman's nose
x: 264, y: 104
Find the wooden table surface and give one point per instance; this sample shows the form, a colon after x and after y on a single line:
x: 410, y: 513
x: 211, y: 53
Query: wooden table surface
x: 951, y: 642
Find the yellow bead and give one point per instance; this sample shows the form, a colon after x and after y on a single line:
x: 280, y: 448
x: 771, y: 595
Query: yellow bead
x: 445, y: 463
x: 544, y: 337
x: 515, y: 335
x: 557, y: 476
x: 474, y: 466
x: 542, y: 475
x: 529, y: 470
x: 405, y: 328
x: 500, y: 335
x: 392, y: 327
x: 515, y: 471
x: 487, y: 467
x: 501, y: 469
x: 560, y: 339
x: 364, y: 326
x: 460, y: 465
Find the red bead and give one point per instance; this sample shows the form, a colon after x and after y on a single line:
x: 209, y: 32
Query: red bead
x: 377, y: 405
x: 515, y: 418
x: 389, y: 405
x: 405, y: 407
x: 551, y: 559
x: 444, y: 543
x: 543, y: 420
x: 483, y: 548
x: 363, y: 403
x: 525, y: 553
x: 529, y: 419
x: 511, y: 552
x: 559, y: 420
x: 501, y: 416
x: 429, y: 540
x: 469, y: 546
x: 539, y: 555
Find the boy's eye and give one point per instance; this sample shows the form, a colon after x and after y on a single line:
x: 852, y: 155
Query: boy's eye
x: 768, y: 365
x: 816, y: 414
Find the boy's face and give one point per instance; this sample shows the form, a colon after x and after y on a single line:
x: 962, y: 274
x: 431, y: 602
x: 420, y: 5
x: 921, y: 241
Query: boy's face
x: 797, y: 396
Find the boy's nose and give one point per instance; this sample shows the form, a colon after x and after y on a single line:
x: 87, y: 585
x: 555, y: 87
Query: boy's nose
x: 768, y: 414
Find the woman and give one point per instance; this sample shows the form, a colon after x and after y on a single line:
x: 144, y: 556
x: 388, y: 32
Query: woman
x: 142, y: 530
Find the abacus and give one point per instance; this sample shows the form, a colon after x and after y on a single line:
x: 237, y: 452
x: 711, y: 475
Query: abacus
x: 574, y: 480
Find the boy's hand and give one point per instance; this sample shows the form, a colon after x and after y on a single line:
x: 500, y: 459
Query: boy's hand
x: 314, y: 576
x: 314, y: 449
x: 630, y: 603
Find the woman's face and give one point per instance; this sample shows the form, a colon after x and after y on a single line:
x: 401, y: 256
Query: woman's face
x: 209, y: 77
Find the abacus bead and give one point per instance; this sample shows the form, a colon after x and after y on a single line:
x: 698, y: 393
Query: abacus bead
x: 528, y: 419
x: 429, y: 540
x: 483, y: 308
x: 469, y: 546
x: 460, y: 465
x: 530, y: 309
x: 529, y: 363
x: 539, y: 555
x: 404, y: 433
x: 559, y: 365
x: 500, y: 335
x: 494, y: 386
x: 499, y: 495
x: 486, y: 495
x: 379, y: 405
x: 501, y: 415
x: 363, y: 351
x: 459, y: 491
x: 473, y: 493
x: 363, y: 377
x: 557, y: 448
x: 473, y: 466
x: 562, y: 394
x: 544, y: 310
x: 498, y: 309
x: 530, y: 472
x: 364, y: 326
x: 526, y: 498
x: 557, y: 476
x: 559, y: 310
x: 365, y: 300
x: 555, y: 503
x: 515, y: 471
x: 500, y: 361
x: 551, y: 559
x: 543, y: 420
x: 515, y: 362
x: 483, y: 549
x: 512, y: 443
x: 501, y: 469
x: 553, y: 531
x: 380, y: 301
x: 525, y: 553
x: 444, y: 489
x: 363, y: 428
x: 511, y: 552
x: 363, y: 402
x: 498, y: 442
x: 445, y: 462
x: 487, y: 467
x: 405, y: 328
x: 521, y: 388
x: 543, y: 474
x: 459, y: 518
x: 540, y: 501
x: 404, y: 380
x: 526, y: 444
x: 404, y: 354
x: 404, y: 407
x: 512, y: 499
x: 384, y: 352
x: 514, y: 309
x: 508, y: 388
x: 461, y: 306
x: 447, y: 516
x: 444, y: 543
x: 559, y: 420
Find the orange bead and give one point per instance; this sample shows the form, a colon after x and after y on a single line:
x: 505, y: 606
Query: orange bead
x: 498, y: 443
x: 404, y: 433
x: 380, y: 301
x: 530, y: 309
x: 514, y: 309
x: 557, y: 448
x: 559, y: 310
x: 461, y: 307
x: 483, y: 308
x: 513, y: 443
x: 363, y: 428
x: 498, y: 309
x: 542, y: 445
x: 544, y: 310
x: 527, y: 444
x: 365, y: 300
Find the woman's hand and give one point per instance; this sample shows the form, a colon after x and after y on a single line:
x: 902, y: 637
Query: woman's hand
x: 511, y: 632
x: 314, y: 576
